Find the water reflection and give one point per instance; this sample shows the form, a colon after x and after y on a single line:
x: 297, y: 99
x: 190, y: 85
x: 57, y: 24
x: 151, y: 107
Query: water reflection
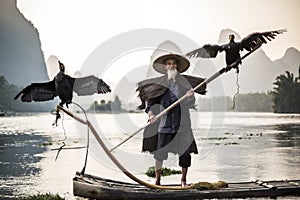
x: 19, y: 154
x: 268, y: 153
x: 289, y: 135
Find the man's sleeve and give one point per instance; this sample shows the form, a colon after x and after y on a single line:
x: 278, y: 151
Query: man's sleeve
x: 149, y: 104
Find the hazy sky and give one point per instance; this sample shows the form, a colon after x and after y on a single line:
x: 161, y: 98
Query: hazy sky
x: 72, y: 29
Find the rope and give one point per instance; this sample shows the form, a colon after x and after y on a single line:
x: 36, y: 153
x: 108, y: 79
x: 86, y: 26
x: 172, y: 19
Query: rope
x: 59, y: 149
x: 58, y: 116
x: 63, y: 127
x: 88, y: 139
x: 237, y: 90
x: 65, y: 136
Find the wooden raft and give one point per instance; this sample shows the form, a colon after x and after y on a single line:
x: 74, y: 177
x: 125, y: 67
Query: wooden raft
x: 99, y: 188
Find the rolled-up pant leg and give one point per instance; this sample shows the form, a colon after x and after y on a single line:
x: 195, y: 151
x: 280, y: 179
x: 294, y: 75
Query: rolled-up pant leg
x: 185, y: 160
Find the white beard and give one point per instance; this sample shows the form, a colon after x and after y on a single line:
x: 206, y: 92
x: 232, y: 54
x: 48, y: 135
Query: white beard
x: 172, y: 73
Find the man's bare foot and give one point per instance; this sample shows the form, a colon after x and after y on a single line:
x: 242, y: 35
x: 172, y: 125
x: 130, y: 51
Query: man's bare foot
x: 183, y: 184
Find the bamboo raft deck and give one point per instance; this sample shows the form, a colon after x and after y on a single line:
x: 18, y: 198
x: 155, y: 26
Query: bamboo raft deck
x: 90, y: 186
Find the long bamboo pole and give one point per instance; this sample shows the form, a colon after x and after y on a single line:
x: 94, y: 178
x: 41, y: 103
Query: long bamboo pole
x: 114, y: 159
x: 206, y: 81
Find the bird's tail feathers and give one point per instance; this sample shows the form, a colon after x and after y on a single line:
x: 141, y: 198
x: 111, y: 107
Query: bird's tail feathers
x: 18, y: 95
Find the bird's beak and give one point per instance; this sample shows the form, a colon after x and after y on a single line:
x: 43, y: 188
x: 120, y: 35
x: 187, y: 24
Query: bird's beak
x: 61, y: 65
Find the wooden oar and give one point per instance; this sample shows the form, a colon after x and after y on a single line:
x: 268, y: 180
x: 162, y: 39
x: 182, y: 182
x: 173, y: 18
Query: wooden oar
x: 206, y: 81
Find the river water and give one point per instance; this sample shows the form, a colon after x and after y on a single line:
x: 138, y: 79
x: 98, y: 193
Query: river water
x: 233, y: 147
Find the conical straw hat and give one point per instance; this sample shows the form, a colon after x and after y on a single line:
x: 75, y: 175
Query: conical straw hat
x: 167, y: 50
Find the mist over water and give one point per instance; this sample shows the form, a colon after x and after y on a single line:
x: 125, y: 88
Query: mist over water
x: 232, y: 147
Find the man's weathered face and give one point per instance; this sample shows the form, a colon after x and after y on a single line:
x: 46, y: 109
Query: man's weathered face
x: 171, y: 64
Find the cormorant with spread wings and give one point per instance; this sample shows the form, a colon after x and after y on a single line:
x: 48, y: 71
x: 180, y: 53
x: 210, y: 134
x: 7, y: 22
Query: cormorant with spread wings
x: 232, y: 49
x: 63, y: 86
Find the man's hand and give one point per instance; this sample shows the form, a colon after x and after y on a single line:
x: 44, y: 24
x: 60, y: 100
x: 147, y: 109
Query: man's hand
x: 152, y: 117
x: 190, y: 93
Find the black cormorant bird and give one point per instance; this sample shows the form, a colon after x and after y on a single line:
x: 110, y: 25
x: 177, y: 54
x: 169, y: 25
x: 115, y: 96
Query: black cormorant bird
x: 232, y: 49
x: 63, y: 86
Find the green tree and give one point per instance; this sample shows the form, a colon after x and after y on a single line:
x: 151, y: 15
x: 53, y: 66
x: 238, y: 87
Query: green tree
x: 287, y: 93
x: 102, y: 102
x: 116, y: 104
x: 108, y: 106
x: 93, y: 106
x: 254, y: 102
x: 101, y: 107
x: 8, y: 91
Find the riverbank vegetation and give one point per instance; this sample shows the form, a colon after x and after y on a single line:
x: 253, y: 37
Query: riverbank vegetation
x: 250, y: 102
x: 107, y: 107
x: 287, y: 93
x: 46, y: 196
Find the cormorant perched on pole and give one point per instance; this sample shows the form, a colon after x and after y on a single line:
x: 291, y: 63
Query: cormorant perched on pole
x: 63, y: 86
x: 232, y: 49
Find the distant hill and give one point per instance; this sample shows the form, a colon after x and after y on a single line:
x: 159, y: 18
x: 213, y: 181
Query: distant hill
x: 21, y: 57
x: 289, y: 62
x: 257, y: 73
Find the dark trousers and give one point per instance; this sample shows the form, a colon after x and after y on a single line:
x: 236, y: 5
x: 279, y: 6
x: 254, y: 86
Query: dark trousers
x: 169, y: 142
